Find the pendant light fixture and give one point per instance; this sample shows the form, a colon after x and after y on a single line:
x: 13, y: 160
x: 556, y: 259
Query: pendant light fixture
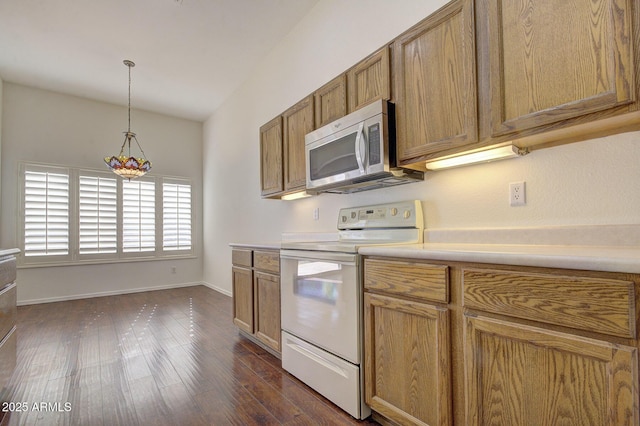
x: 126, y: 165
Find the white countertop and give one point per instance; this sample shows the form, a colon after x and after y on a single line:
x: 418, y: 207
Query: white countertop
x: 610, y: 248
x: 594, y: 258
x: 259, y: 245
x: 9, y: 252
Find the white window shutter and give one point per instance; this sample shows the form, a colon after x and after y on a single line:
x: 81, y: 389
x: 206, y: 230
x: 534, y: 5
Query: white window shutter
x: 176, y: 216
x: 98, y: 212
x: 46, y: 213
x: 138, y: 216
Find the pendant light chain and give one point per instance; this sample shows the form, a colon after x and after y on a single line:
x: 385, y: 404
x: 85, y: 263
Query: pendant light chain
x: 127, y: 166
x: 129, y: 124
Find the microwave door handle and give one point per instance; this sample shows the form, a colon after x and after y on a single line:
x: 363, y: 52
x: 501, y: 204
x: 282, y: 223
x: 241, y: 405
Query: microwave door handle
x: 359, y: 146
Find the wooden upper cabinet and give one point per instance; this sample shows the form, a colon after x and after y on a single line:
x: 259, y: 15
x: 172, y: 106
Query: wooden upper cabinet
x: 435, y: 84
x: 297, y: 122
x: 549, y: 61
x: 271, y: 167
x: 331, y: 101
x: 369, y: 80
x: 517, y: 375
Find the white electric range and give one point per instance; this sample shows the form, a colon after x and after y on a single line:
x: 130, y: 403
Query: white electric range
x: 321, y: 299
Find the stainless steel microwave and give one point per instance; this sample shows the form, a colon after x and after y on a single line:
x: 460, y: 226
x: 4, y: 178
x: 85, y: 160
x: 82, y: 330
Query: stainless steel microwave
x: 356, y: 153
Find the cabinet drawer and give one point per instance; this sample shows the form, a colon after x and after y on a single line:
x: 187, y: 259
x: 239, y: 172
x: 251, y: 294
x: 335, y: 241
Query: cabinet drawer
x: 8, y: 353
x: 268, y: 261
x: 413, y: 279
x: 592, y: 304
x: 7, y: 271
x: 8, y: 310
x: 241, y: 257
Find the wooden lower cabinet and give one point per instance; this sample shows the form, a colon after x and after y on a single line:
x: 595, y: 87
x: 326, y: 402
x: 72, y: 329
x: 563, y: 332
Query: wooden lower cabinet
x: 522, y: 375
x: 407, y: 360
x: 8, y: 315
x: 242, y: 279
x: 256, y: 295
x: 267, y: 300
x: 501, y: 345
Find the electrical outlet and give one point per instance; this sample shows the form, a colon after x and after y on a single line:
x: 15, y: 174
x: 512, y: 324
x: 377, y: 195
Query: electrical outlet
x: 316, y: 213
x: 517, y: 194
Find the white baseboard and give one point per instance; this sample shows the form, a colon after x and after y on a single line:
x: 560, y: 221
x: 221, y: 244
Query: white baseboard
x: 218, y: 289
x: 108, y: 293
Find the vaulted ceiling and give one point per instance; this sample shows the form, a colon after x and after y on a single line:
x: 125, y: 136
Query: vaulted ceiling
x: 190, y: 55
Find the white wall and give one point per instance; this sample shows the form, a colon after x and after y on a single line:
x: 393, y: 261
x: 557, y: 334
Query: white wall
x: 48, y: 127
x: 593, y: 182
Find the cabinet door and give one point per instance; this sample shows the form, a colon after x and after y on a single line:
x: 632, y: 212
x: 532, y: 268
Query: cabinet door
x: 267, y: 299
x: 298, y: 121
x: 550, y: 61
x: 271, y: 168
x: 331, y: 101
x: 407, y: 360
x: 435, y: 84
x: 517, y: 375
x: 369, y: 80
x: 242, y: 283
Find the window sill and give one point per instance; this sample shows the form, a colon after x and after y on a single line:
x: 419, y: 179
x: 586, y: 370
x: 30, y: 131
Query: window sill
x: 105, y: 261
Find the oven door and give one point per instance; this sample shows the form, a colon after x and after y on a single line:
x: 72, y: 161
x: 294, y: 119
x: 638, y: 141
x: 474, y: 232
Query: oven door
x: 321, y: 300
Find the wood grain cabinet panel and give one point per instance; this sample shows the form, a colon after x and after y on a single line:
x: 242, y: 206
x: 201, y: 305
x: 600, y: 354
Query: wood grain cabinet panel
x: 407, y: 361
x: 435, y: 84
x: 297, y: 121
x: 241, y: 257
x: 549, y: 61
x: 599, y: 305
x: 271, y: 158
x: 256, y: 295
x: 370, y: 80
x: 331, y: 101
x: 408, y: 279
x: 267, y: 299
x: 268, y: 261
x: 520, y: 375
x: 242, y: 283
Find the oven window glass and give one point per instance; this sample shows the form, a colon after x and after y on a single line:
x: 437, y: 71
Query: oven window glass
x: 333, y: 158
x: 318, y: 281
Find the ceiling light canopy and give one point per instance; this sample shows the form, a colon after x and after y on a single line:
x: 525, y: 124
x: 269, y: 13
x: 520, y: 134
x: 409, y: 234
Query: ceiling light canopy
x: 127, y: 165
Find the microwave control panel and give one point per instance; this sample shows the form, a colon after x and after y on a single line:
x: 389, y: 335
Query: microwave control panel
x: 374, y: 143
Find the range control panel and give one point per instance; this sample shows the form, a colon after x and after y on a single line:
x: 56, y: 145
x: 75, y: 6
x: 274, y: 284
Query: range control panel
x: 406, y: 214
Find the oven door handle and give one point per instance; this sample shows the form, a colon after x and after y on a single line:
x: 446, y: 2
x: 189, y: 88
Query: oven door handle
x: 344, y: 258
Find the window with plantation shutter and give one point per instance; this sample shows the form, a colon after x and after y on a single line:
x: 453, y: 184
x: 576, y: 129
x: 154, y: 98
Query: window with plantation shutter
x: 138, y: 216
x: 82, y: 216
x: 176, y: 216
x: 46, y: 212
x: 98, y: 215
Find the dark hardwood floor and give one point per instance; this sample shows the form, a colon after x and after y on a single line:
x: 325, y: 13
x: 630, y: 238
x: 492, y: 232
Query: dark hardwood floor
x: 169, y: 357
